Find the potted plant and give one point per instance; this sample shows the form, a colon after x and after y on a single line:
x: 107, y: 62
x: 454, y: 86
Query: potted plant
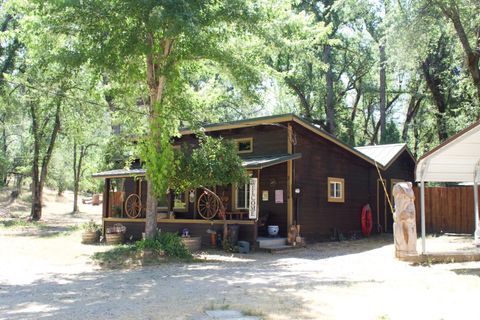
x: 91, y: 232
x: 115, y: 234
x: 117, y: 211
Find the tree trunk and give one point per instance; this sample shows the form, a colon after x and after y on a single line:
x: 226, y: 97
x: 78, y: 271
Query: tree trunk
x: 156, y: 84
x: 413, y: 107
x: 434, y: 84
x: 383, y: 92
x: 472, y: 55
x: 351, y: 127
x: 75, y: 180
x: 39, y: 176
x: 330, y: 99
x: 151, y: 213
x: 36, y: 211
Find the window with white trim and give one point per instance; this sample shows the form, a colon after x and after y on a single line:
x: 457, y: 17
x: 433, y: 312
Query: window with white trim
x: 242, y: 196
x: 336, y: 189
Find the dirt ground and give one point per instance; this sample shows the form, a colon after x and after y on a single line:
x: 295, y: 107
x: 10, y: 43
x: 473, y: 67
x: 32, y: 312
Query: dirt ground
x: 48, y: 274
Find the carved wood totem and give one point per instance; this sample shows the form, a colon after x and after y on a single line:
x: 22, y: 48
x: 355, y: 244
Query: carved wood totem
x: 404, y: 226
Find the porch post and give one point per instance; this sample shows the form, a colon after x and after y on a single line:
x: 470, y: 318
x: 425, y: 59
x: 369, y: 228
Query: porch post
x: 422, y: 210
x: 476, y: 235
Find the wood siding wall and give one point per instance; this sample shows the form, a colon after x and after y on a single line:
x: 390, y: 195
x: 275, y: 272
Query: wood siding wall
x: 271, y: 179
x: 267, y: 139
x: 322, y: 159
x: 447, y: 209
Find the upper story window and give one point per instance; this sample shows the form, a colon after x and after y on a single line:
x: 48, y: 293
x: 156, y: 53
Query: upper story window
x: 336, y: 189
x: 244, y: 145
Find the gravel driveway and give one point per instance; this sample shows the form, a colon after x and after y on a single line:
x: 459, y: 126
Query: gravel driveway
x: 53, y: 278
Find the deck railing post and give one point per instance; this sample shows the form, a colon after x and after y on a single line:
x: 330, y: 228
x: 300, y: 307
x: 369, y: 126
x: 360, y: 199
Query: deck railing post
x: 476, y: 235
x: 422, y: 212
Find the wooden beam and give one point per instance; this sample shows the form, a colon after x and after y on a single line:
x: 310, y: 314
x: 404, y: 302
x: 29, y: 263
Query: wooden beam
x: 181, y: 221
x: 289, y: 178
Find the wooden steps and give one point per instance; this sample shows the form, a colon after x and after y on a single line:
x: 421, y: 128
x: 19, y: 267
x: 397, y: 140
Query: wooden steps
x: 275, y: 245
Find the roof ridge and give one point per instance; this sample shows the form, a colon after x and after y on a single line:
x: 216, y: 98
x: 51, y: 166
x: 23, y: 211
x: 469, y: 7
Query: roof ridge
x: 382, y: 145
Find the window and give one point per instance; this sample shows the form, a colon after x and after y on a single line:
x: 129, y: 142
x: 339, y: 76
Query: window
x: 242, y: 196
x: 180, y: 201
x: 336, y: 190
x: 244, y: 145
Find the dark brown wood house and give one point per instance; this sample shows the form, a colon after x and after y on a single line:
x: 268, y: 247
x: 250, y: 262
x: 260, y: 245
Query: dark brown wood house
x: 305, y: 176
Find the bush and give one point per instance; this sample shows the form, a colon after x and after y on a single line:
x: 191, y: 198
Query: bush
x: 127, y: 255
x: 148, y: 244
x: 91, y: 226
x: 172, y: 245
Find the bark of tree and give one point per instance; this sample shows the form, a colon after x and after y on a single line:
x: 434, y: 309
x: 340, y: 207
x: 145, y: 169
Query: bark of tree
x: 330, y: 98
x: 472, y: 55
x: 353, y: 115
x: 376, y: 127
x: 383, y: 93
x: 40, y: 163
x: 156, y: 81
x: 434, y: 84
x: 77, y: 171
x: 413, y: 106
x: 4, y: 147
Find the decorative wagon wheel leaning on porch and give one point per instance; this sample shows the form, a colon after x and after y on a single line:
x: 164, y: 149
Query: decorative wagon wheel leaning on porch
x: 133, y: 206
x: 209, y: 204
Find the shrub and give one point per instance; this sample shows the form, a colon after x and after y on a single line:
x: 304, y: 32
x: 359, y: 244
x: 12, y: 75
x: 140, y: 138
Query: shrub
x: 149, y: 244
x: 172, y: 245
x: 91, y: 226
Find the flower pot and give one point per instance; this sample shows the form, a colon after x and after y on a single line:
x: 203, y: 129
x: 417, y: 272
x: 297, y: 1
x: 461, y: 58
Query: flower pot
x: 192, y: 243
x: 273, y: 230
x: 90, y: 237
x: 114, y: 238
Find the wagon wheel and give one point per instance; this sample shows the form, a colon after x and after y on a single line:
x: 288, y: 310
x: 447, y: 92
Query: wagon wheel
x: 208, y: 205
x: 133, y: 206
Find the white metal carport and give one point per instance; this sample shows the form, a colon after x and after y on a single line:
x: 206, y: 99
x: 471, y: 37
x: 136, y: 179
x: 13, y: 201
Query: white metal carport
x: 455, y: 160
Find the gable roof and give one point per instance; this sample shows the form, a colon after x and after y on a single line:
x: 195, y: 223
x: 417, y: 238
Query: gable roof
x: 385, y: 154
x: 275, y: 119
x: 457, y: 159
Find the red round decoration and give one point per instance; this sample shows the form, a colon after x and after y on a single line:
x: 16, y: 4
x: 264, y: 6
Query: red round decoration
x: 366, y: 219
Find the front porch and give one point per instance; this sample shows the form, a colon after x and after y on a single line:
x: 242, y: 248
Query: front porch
x: 125, y: 202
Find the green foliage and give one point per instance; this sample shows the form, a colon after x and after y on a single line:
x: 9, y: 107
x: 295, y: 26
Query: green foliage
x: 149, y: 244
x: 214, y: 162
x: 21, y: 223
x: 91, y: 226
x: 173, y: 246
x: 165, y: 244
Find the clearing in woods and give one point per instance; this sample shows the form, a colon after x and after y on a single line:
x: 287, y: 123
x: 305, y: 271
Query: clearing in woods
x: 46, y: 273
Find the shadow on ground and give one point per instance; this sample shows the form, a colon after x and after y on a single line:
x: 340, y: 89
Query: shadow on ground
x: 172, y: 291
x: 467, y: 272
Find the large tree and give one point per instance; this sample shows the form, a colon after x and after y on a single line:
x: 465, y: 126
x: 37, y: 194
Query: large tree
x: 165, y: 42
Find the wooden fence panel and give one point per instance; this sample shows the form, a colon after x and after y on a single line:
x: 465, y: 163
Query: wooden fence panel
x: 447, y: 209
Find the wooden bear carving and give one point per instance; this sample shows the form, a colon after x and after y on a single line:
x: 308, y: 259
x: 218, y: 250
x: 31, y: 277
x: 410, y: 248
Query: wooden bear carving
x: 404, y: 226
